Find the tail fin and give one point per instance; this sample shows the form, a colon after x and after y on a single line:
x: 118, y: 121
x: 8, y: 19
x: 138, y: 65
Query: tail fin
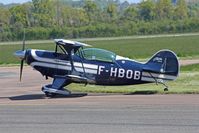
x: 165, y: 64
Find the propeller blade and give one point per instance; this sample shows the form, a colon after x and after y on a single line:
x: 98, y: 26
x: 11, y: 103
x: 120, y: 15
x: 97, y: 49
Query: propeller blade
x: 24, y: 38
x: 21, y: 55
x: 21, y: 69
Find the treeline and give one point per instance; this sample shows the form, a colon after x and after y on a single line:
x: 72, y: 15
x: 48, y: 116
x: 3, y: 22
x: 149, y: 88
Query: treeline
x: 47, y: 19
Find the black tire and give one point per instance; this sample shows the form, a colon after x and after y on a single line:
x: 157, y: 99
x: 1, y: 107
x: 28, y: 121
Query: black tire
x: 166, y: 89
x: 51, y: 95
x: 42, y: 88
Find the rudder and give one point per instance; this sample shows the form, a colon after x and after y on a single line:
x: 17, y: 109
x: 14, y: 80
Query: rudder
x: 164, y: 62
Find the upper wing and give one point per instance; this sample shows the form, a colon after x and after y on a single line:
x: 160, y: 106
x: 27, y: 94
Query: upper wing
x: 70, y: 45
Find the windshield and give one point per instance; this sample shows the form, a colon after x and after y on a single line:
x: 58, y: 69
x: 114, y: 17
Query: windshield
x: 98, y: 54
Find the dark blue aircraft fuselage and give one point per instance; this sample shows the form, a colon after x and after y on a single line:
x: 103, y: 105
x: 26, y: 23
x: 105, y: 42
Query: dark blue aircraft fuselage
x: 122, y: 71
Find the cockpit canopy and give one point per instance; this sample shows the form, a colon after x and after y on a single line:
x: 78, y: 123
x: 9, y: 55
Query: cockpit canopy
x: 69, y: 47
x: 98, y: 54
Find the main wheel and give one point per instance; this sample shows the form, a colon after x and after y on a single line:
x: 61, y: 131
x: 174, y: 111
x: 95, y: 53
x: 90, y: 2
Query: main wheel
x: 51, y: 95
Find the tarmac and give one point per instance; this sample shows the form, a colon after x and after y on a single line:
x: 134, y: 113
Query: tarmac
x: 24, y: 108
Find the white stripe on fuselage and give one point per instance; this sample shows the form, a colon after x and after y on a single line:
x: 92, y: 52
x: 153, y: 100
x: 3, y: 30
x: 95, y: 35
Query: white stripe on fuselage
x: 62, y: 67
x: 62, y: 62
x: 152, y: 79
x: 118, y: 57
x: 161, y: 76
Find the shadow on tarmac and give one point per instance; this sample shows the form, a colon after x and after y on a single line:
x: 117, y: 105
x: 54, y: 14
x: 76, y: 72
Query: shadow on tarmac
x: 74, y: 95
x: 42, y: 96
x: 28, y: 97
x: 143, y: 92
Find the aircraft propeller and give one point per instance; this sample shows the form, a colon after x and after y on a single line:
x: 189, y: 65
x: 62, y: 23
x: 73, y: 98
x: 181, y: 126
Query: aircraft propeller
x: 21, y: 55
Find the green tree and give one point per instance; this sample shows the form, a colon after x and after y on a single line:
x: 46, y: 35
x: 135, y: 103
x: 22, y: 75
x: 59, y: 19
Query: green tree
x: 44, y: 13
x: 193, y: 10
x: 4, y: 16
x: 146, y: 10
x: 20, y: 14
x: 112, y: 10
x: 46, y: 19
x: 130, y: 13
x: 92, y: 10
x: 73, y: 17
x: 181, y: 10
x: 164, y: 9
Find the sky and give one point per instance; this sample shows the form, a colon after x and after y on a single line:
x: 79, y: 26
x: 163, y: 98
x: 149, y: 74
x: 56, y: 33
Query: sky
x: 22, y: 1
x: 13, y: 1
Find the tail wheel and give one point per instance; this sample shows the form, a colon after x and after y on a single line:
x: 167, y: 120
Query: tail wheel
x: 166, y: 89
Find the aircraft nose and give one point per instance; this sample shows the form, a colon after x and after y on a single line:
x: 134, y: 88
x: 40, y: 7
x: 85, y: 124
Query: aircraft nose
x: 20, y: 54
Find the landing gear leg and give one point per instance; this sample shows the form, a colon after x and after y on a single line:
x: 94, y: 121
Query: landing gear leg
x: 166, y: 87
x: 161, y: 82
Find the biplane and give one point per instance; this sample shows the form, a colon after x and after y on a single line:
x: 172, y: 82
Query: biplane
x: 76, y: 62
